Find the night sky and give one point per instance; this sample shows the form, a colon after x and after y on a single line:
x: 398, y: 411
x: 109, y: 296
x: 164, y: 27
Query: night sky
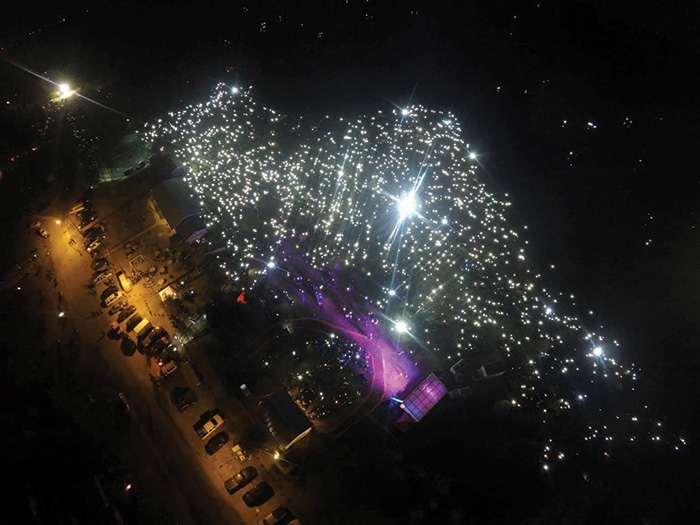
x: 586, y: 115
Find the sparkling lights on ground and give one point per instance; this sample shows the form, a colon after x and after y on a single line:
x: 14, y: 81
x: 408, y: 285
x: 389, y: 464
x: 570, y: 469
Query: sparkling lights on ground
x: 393, y: 202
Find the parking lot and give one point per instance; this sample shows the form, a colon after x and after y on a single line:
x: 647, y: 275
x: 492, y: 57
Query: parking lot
x: 127, y: 238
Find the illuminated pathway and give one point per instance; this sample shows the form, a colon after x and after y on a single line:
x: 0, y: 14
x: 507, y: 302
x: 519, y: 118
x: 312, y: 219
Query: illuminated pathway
x: 336, y: 308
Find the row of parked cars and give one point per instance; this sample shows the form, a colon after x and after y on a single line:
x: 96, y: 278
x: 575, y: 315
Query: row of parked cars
x: 111, y: 296
x: 41, y: 232
x: 85, y: 216
x: 84, y: 213
x: 209, y: 422
x: 153, y: 340
x: 156, y: 341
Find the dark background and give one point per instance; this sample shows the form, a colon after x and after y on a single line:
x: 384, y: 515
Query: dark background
x: 512, y: 73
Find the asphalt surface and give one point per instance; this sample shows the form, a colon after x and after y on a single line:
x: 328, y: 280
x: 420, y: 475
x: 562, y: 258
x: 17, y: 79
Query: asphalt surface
x: 174, y: 483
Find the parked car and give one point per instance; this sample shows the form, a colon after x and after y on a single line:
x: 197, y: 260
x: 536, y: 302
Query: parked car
x: 125, y: 313
x: 215, y: 443
x: 133, y: 321
x: 183, y: 398
x: 41, y: 232
x: 208, y: 423
x: 240, y: 480
x: 34, y: 225
x: 142, y: 330
x: 86, y: 217
x: 93, y: 230
x: 116, y: 329
x: 117, y: 307
x: 259, y: 494
x: 94, y: 245
x: 240, y: 453
x: 128, y: 345
x: 280, y: 516
x: 162, y: 352
x: 93, y: 235
x: 86, y: 213
x: 102, y: 276
x: 124, y: 282
x: 154, y: 335
x: 108, y: 291
x: 168, y: 368
x: 98, y: 264
x: 110, y: 300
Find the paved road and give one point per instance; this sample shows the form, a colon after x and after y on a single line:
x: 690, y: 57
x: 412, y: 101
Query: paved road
x: 182, y: 484
x: 176, y: 484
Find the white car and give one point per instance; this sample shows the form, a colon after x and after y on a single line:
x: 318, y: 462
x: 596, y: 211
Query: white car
x: 240, y: 453
x: 280, y: 516
x: 208, y: 423
x: 110, y: 300
x: 94, y: 245
x: 168, y: 368
x: 101, y: 277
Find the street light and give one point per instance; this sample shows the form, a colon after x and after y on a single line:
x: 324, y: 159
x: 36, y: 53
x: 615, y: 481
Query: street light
x: 64, y: 91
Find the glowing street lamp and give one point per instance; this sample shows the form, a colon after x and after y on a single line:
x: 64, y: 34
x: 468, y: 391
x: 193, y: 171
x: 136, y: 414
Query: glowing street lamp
x: 65, y: 91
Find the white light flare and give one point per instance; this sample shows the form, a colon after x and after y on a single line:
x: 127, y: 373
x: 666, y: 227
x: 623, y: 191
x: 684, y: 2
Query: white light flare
x: 65, y: 91
x: 401, y: 327
x: 407, y: 206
